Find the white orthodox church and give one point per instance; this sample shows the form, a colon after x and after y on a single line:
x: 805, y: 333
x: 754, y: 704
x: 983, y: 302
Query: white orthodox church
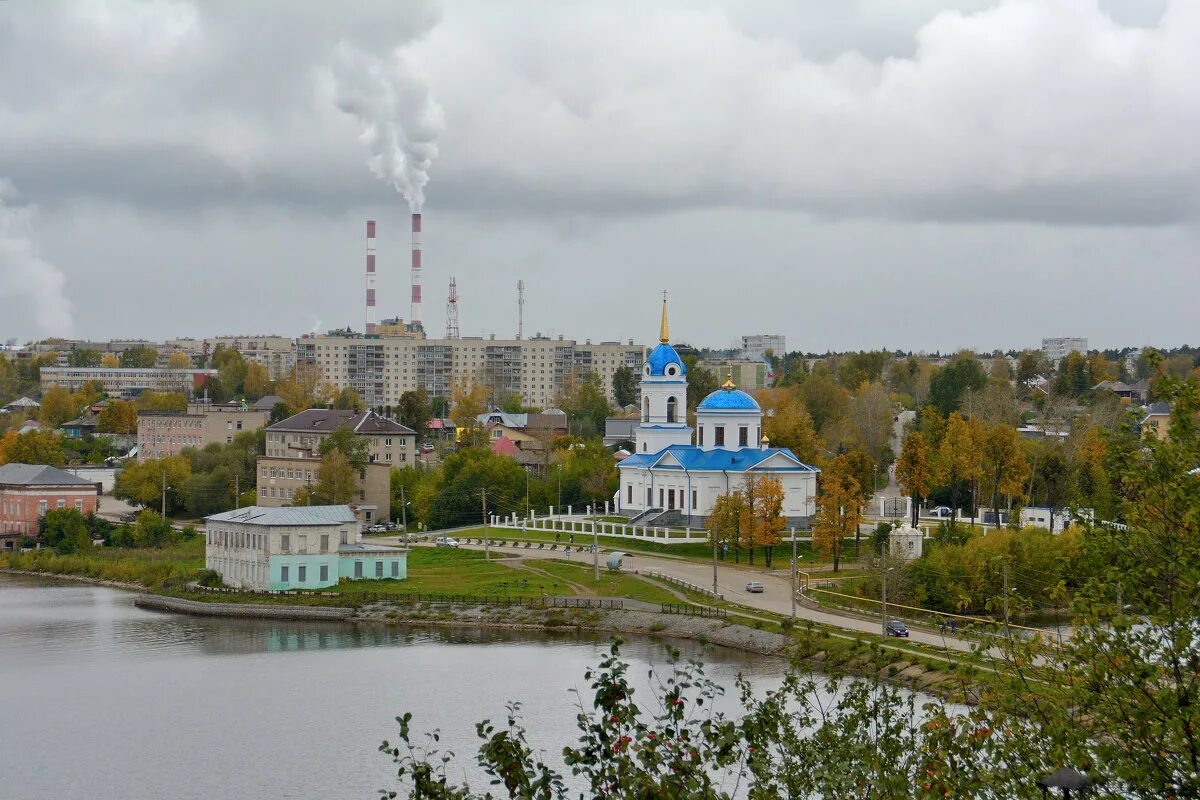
x: 671, y: 481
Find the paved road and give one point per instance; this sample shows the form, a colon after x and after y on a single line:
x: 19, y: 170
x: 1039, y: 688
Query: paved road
x: 731, y: 582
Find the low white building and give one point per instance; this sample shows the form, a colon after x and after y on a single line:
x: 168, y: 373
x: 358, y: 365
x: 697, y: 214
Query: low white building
x: 906, y: 542
x: 671, y: 481
x: 300, y: 547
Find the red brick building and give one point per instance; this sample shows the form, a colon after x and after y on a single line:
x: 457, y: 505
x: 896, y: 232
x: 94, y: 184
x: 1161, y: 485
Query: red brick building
x: 27, y: 491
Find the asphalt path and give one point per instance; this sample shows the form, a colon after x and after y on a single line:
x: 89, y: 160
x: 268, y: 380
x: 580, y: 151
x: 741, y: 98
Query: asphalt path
x: 731, y: 583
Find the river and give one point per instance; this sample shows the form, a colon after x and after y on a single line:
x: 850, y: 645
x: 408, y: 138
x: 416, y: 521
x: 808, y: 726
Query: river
x: 103, y: 700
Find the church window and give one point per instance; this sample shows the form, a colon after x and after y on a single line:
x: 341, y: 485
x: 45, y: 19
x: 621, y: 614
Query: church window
x: 700, y: 435
x: 719, y: 435
x: 671, y: 405
x: 660, y: 498
x: 649, y: 497
x: 630, y: 493
x: 694, y: 500
x: 646, y: 410
x: 743, y: 435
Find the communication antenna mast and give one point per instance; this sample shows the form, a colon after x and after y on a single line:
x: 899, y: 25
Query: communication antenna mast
x: 520, y: 310
x: 452, y: 311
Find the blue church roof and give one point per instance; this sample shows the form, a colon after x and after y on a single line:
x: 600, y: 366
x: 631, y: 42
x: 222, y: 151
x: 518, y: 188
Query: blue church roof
x: 728, y: 400
x: 661, y: 356
x: 693, y: 458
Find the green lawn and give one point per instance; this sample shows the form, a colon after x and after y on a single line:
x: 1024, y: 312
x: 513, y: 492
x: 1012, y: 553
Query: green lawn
x: 150, y: 567
x: 612, y: 584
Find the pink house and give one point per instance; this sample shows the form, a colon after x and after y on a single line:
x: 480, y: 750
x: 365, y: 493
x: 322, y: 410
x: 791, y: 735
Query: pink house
x: 27, y: 491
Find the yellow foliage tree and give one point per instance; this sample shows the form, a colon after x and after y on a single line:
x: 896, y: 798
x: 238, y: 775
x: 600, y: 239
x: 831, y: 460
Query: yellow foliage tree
x: 724, y: 522
x: 959, y: 459
x: 120, y: 417
x: 467, y: 401
x: 1004, y: 464
x: 766, y: 523
x: 787, y: 423
x: 838, y: 512
x: 178, y: 360
x: 257, y: 381
x: 110, y: 360
x: 913, y: 470
x: 58, y: 406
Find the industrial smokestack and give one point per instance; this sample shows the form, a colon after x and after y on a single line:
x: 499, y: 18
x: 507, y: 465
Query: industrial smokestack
x: 415, y: 311
x: 370, y: 322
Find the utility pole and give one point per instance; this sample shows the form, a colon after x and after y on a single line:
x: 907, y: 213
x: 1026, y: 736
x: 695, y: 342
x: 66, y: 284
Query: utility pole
x: 237, y: 490
x: 714, y: 541
x: 883, y: 583
x: 1004, y: 567
x: 487, y: 543
x: 527, y: 494
x: 403, y: 510
x: 595, y: 554
x: 164, y: 494
x: 795, y: 566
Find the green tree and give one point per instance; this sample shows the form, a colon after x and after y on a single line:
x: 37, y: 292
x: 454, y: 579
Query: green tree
x: 337, y: 479
x: 625, y: 386
x: 466, y: 474
x: 948, y: 385
x: 415, y: 412
x: 257, y: 381
x: 210, y: 492
x: 825, y: 399
x: 142, y: 483
x: 701, y: 381
x: 348, y: 400
x: 84, y: 357
x: 585, y: 404
x: 66, y: 530
x: 355, y: 448
x: 58, y: 406
x: 140, y: 357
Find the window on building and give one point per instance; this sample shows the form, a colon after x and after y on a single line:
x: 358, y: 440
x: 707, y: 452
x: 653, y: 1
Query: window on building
x: 41, y: 508
x: 629, y: 494
x: 324, y: 542
x: 283, y: 573
x: 743, y: 435
x: 358, y: 569
x: 719, y: 435
x: 646, y: 410
x: 672, y: 404
x: 79, y: 505
x: 285, y: 543
x: 694, y: 503
x: 378, y: 569
x: 262, y: 491
x: 324, y: 573
x: 301, y: 573
x: 61, y: 504
x: 700, y: 435
x: 660, y: 498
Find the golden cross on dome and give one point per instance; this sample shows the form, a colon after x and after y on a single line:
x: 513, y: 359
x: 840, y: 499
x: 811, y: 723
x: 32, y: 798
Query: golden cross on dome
x: 663, y: 335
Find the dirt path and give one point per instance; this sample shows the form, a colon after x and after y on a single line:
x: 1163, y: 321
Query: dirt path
x: 579, y: 588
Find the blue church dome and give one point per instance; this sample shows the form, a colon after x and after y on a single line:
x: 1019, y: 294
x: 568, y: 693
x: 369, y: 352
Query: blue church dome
x: 663, y: 356
x: 728, y: 398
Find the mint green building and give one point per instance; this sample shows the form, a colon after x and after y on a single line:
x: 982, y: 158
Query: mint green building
x: 296, y: 547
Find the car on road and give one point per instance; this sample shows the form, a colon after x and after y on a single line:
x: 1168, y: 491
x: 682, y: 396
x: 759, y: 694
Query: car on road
x: 445, y: 541
x: 941, y: 512
x: 427, y: 447
x: 377, y: 528
x: 895, y: 627
x: 755, y: 587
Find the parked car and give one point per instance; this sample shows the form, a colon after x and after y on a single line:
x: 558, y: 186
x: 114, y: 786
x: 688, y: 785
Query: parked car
x: 445, y: 541
x: 941, y: 512
x: 895, y: 627
x: 754, y: 587
x: 427, y: 447
x: 377, y: 528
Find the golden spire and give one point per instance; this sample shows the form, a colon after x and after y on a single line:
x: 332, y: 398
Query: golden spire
x: 663, y: 335
x: 729, y: 384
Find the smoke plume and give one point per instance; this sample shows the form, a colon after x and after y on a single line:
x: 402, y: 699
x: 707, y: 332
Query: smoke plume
x: 24, y: 273
x: 400, y: 118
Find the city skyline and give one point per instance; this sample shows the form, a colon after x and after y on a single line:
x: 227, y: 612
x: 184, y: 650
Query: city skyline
x: 783, y: 153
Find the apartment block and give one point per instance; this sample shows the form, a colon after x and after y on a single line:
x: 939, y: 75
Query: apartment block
x: 276, y: 353
x: 127, y: 381
x: 755, y: 347
x: 382, y: 368
x: 280, y: 478
x: 300, y: 435
x: 1057, y: 348
x: 166, y: 433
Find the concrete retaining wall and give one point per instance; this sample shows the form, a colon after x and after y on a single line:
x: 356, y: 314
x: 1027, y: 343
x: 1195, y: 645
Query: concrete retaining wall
x: 245, y: 610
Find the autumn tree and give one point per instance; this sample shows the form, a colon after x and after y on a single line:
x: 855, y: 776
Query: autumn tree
x: 914, y: 472
x: 110, y: 361
x: 179, y: 360
x: 872, y: 415
x: 838, y: 511
x: 337, y: 480
x: 825, y: 400
x: 468, y: 401
x: 349, y: 400
x: 415, y: 411
x: 83, y: 357
x: 119, y: 417
x: 355, y: 448
x: 257, y: 381
x: 762, y: 523
x: 59, y: 406
x: 958, y: 460
x: 162, y: 401
x: 36, y: 447
x: 724, y: 522
x: 787, y: 424
x: 1003, y: 464
x: 298, y: 391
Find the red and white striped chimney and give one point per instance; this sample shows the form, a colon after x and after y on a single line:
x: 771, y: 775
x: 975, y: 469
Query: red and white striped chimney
x: 370, y: 327
x: 415, y: 312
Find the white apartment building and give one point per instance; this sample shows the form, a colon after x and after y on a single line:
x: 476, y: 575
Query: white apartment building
x: 382, y: 368
x: 1057, y: 348
x: 276, y: 353
x: 754, y: 347
x: 127, y: 381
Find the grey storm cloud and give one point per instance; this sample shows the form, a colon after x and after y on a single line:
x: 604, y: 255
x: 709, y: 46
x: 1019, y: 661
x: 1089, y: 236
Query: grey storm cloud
x: 568, y: 117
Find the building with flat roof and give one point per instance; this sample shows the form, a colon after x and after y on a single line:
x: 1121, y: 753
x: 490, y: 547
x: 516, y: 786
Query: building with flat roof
x: 748, y: 375
x: 755, y: 347
x: 308, y: 547
x: 1057, y: 348
x: 28, y: 491
x: 381, y: 368
x: 166, y: 433
x: 128, y: 381
x: 276, y: 353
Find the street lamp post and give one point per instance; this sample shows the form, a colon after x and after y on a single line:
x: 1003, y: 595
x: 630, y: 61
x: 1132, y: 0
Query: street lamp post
x: 795, y: 569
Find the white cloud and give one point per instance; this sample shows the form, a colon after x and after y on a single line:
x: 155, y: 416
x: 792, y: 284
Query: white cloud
x: 27, y: 277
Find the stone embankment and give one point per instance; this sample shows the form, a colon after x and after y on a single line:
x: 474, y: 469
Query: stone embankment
x: 179, y: 605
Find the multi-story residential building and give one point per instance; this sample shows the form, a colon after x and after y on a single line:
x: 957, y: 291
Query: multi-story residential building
x: 1057, y: 348
x: 128, y: 381
x: 309, y: 547
x: 28, y: 491
x: 750, y: 375
x: 755, y: 347
x: 293, y: 456
x: 382, y: 368
x: 276, y: 353
x: 166, y: 433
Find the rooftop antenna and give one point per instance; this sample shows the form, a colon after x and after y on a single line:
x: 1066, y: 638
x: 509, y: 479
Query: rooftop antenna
x: 520, y: 310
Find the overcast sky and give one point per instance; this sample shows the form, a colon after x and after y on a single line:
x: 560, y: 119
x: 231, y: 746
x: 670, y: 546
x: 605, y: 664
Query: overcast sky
x: 861, y: 173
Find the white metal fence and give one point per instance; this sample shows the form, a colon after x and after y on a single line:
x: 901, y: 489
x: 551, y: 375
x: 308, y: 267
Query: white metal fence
x: 587, y: 527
